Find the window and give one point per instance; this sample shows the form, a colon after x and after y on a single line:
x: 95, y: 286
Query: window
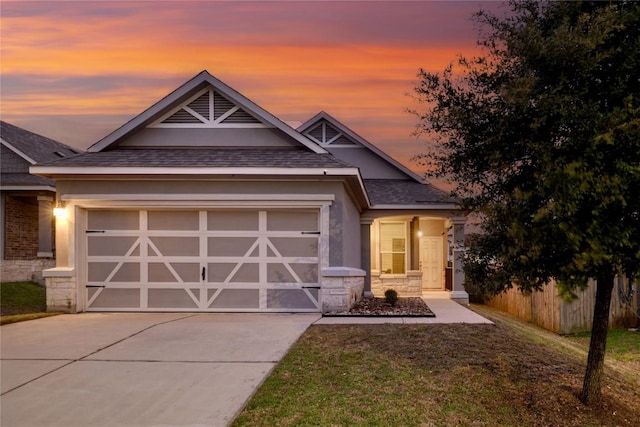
x: 393, y: 247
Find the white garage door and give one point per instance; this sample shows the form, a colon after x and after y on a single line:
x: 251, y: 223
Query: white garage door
x: 206, y: 260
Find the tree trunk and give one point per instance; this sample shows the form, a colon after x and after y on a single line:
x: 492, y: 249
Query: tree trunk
x: 592, y: 387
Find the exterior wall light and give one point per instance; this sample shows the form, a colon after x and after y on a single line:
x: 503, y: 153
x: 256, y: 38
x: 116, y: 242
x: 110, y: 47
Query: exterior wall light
x: 60, y: 211
x: 419, y: 233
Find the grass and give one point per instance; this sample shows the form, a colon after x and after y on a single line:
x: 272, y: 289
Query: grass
x: 432, y: 375
x: 20, y: 301
x: 622, y: 344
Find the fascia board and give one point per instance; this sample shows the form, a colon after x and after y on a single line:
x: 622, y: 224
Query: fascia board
x: 17, y: 151
x: 102, y: 170
x: 414, y: 207
x: 27, y: 188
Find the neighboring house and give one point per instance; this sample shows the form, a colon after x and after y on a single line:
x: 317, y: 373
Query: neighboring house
x: 207, y: 202
x: 26, y: 232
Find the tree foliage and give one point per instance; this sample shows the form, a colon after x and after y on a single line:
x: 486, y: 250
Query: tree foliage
x: 541, y: 137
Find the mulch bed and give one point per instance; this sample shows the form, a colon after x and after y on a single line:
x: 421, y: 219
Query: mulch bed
x: 378, y: 307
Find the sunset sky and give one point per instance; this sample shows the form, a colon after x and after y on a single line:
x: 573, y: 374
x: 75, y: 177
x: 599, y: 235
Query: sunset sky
x: 75, y: 71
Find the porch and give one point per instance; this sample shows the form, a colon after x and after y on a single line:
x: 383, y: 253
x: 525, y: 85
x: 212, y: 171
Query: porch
x: 417, y: 255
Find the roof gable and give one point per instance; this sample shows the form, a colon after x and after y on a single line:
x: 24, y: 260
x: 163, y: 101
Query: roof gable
x: 32, y: 147
x: 330, y: 133
x: 204, y: 102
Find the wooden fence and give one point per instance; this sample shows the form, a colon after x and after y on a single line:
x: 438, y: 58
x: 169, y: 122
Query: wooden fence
x: 548, y: 310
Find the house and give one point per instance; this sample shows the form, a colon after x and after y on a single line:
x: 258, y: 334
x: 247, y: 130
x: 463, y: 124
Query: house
x: 207, y: 202
x: 26, y: 231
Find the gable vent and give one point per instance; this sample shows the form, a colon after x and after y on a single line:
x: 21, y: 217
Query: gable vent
x: 325, y: 134
x: 220, y: 105
x: 181, y: 116
x: 201, y: 105
x: 316, y: 133
x: 240, y: 116
x: 208, y: 108
x: 330, y: 132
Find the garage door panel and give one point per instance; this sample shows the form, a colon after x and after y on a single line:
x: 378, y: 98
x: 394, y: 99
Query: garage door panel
x: 295, y: 246
x: 307, y: 273
x: 277, y: 273
x: 289, y: 299
x: 115, y: 298
x: 218, y: 272
x: 114, y: 220
x: 175, y: 246
x: 112, y: 245
x: 292, y: 221
x: 173, y: 298
x: 237, y: 298
x: 246, y: 273
x: 232, y: 220
x: 174, y: 272
x: 100, y: 271
x: 127, y: 272
x: 232, y: 246
x: 173, y: 220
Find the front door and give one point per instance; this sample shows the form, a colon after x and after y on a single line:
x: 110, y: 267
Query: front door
x: 431, y: 263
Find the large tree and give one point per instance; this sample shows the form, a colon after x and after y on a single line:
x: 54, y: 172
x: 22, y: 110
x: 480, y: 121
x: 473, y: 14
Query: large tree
x: 540, y: 135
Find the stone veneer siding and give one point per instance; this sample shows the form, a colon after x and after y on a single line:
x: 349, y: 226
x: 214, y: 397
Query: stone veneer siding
x: 61, y: 290
x: 25, y: 270
x: 341, y: 288
x: 409, y: 285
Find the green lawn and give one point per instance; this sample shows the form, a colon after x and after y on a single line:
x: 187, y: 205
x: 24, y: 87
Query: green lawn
x: 22, y: 301
x: 622, y: 344
x: 431, y: 375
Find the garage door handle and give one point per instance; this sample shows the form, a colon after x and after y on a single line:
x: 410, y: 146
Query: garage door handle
x: 203, y: 273
x: 310, y: 232
x: 94, y: 231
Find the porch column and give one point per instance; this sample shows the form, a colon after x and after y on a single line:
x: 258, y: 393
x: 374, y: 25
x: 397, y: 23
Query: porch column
x: 458, y: 293
x: 365, y: 255
x: 45, y: 247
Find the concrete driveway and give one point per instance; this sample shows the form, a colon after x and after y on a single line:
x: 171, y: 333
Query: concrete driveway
x: 156, y: 369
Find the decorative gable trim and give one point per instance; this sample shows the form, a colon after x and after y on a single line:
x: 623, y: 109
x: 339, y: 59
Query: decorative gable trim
x: 327, y: 135
x: 188, y: 91
x: 312, y: 126
x: 208, y: 109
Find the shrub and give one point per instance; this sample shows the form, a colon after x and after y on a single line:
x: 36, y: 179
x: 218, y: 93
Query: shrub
x: 391, y: 297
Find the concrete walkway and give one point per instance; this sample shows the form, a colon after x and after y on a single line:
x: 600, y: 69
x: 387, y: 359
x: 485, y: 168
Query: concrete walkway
x: 147, y: 369
x: 446, y: 311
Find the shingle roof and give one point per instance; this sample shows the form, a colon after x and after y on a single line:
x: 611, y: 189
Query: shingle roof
x: 25, y: 180
x: 404, y: 192
x: 37, y: 147
x: 203, y: 157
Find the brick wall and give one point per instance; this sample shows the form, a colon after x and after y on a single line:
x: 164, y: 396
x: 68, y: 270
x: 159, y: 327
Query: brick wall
x: 21, y: 228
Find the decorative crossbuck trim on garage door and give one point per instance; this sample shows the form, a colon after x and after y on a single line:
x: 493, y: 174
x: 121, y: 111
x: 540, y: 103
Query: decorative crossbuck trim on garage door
x: 222, y: 260
x: 208, y: 108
